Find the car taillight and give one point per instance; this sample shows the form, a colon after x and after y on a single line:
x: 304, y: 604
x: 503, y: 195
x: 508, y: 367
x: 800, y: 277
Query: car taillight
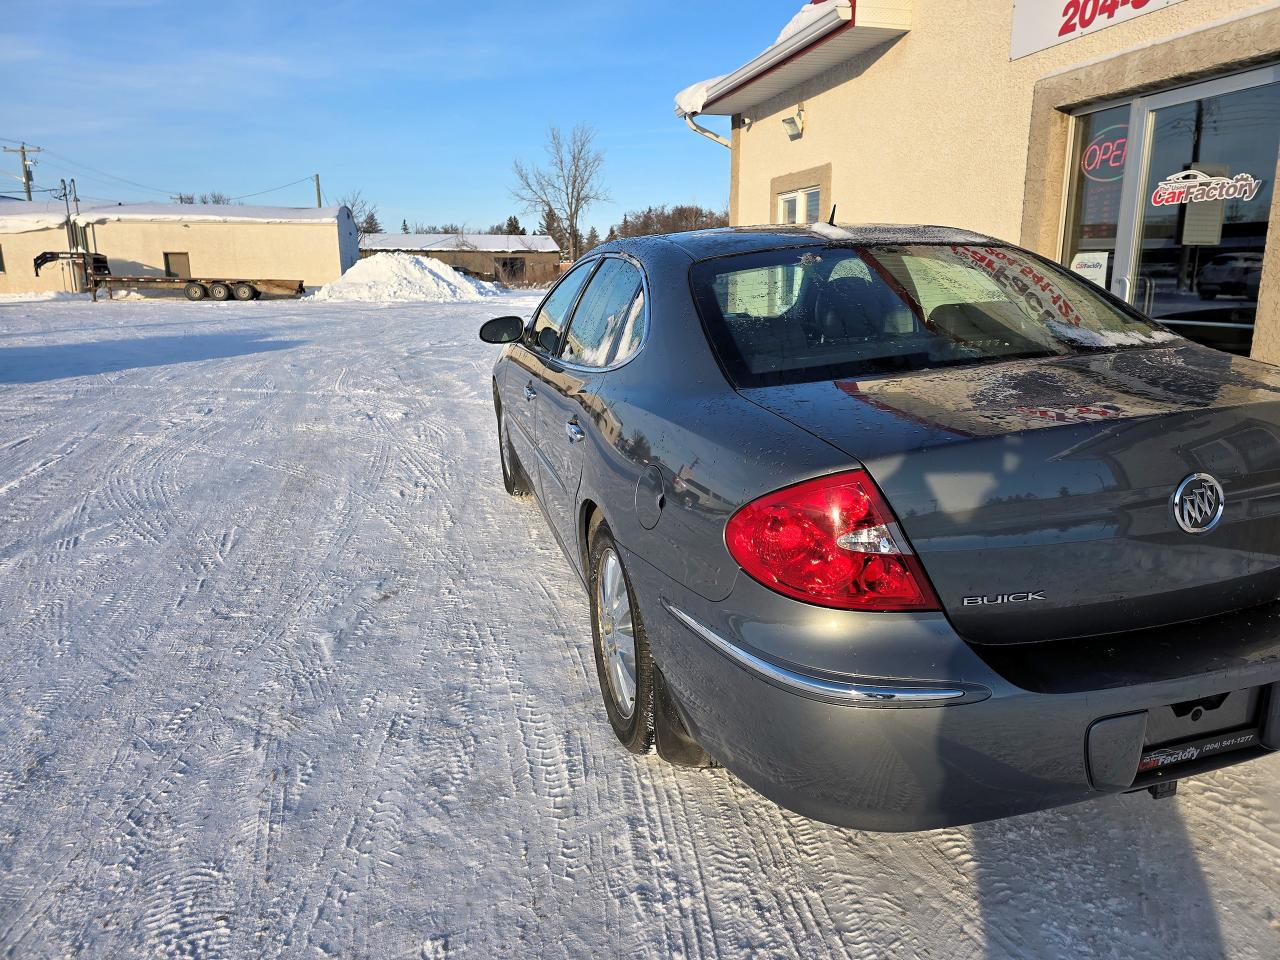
x: 831, y: 541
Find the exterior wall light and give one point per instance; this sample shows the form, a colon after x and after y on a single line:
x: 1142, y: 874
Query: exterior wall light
x: 794, y: 125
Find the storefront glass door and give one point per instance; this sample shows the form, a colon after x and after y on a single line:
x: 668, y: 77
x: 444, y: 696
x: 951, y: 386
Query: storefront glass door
x: 1170, y: 201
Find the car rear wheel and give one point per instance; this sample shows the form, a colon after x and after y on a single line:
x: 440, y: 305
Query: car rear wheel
x: 219, y: 291
x: 195, y: 291
x: 623, y: 663
x: 244, y: 291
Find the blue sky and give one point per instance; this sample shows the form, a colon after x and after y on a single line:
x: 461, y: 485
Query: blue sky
x: 423, y: 105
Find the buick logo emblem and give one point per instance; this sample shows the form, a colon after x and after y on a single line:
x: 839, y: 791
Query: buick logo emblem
x: 1197, y: 503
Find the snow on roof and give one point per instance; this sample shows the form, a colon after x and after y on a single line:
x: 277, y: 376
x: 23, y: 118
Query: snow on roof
x: 24, y: 216
x: 486, y: 242
x: 852, y: 30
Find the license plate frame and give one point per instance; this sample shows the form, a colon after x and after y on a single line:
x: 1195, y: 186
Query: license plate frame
x: 1198, y: 748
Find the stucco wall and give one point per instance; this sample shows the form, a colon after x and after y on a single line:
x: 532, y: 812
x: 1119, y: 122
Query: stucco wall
x: 19, y: 249
x: 935, y: 126
x: 311, y: 252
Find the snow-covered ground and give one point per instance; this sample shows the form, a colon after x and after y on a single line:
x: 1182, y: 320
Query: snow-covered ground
x: 285, y: 673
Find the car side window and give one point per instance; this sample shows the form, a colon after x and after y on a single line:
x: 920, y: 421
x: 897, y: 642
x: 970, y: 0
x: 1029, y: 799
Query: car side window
x: 632, y: 329
x: 549, y: 323
x: 602, y: 314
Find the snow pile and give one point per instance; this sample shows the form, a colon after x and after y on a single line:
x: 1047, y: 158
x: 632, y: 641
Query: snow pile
x: 400, y: 277
x: 807, y: 15
x: 691, y: 100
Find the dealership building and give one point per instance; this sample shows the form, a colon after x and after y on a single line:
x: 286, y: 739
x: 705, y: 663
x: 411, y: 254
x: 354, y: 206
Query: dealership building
x: 1135, y: 141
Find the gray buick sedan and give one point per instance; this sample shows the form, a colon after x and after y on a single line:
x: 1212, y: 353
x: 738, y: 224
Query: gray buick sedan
x: 905, y: 526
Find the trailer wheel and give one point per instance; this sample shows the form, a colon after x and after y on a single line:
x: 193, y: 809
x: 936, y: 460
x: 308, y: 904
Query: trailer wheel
x: 195, y: 291
x: 244, y: 291
x: 219, y: 291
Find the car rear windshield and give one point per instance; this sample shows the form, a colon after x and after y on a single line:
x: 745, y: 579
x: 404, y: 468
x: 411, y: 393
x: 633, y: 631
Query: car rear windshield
x: 831, y: 312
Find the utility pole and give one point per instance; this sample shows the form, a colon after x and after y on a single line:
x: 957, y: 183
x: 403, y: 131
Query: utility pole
x: 26, y: 167
x: 317, y: 178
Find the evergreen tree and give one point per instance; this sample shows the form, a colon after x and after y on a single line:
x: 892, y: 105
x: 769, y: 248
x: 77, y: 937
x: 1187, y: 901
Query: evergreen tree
x: 592, y: 240
x: 551, y: 226
x: 512, y: 227
x: 404, y: 226
x: 369, y: 224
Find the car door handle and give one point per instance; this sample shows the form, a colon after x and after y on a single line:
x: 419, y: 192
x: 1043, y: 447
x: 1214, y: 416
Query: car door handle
x: 529, y: 392
x: 574, y: 432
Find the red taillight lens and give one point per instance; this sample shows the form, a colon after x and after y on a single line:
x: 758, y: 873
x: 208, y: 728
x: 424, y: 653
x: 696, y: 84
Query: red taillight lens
x: 831, y: 541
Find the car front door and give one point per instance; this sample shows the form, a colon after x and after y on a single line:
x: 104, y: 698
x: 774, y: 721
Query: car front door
x: 524, y: 379
x: 569, y: 405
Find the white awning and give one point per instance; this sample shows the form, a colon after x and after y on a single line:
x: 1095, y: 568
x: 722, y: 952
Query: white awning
x: 822, y: 35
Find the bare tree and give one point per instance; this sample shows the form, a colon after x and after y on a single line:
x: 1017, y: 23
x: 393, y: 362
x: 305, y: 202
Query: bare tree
x: 570, y: 183
x: 216, y: 197
x: 363, y: 212
x: 420, y: 227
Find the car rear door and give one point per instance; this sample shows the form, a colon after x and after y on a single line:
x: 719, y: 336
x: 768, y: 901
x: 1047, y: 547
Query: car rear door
x: 524, y: 379
x: 568, y: 405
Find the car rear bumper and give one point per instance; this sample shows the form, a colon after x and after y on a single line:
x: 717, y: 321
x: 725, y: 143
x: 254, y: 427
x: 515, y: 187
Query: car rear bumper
x: 922, y: 736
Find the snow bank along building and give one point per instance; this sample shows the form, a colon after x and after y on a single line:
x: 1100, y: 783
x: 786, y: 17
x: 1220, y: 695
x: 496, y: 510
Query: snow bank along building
x: 510, y: 259
x: 314, y: 245
x: 1133, y: 140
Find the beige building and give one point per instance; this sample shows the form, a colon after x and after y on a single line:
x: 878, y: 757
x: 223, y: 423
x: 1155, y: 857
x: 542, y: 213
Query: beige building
x: 507, y: 258
x: 1134, y: 140
x: 314, y: 245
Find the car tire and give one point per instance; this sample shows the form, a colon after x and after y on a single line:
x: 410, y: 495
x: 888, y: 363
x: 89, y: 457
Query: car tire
x: 626, y: 675
x: 195, y: 291
x: 244, y: 291
x: 219, y: 291
x: 514, y: 480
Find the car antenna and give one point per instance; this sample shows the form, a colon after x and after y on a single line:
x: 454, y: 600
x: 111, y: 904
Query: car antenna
x: 832, y: 221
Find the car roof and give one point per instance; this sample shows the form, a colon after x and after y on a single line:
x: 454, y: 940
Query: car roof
x: 725, y: 241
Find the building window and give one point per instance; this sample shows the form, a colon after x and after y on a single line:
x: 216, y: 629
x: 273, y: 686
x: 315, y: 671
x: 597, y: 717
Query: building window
x: 806, y: 202
x: 1170, y: 203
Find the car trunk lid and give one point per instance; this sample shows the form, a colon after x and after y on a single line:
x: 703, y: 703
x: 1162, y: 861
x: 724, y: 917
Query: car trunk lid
x: 1038, y: 493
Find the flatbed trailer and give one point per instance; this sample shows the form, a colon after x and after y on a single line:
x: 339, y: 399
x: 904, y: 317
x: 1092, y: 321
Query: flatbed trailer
x: 200, y: 288
x: 97, y: 276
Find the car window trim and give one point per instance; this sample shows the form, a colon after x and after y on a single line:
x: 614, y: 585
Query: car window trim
x: 644, y: 334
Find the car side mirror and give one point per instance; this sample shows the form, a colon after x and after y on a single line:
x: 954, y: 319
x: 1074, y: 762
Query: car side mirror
x: 502, y: 330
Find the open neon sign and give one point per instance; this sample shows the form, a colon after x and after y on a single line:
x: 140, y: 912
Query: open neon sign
x: 1104, y: 157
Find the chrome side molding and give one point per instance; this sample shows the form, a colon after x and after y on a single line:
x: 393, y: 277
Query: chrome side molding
x: 869, y: 692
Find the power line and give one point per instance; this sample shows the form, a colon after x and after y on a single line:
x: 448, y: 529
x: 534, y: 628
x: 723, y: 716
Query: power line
x: 78, y: 165
x: 291, y: 183
x: 109, y: 176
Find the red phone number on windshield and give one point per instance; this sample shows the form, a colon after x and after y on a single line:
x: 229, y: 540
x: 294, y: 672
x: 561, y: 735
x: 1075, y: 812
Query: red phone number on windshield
x: 1080, y: 15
